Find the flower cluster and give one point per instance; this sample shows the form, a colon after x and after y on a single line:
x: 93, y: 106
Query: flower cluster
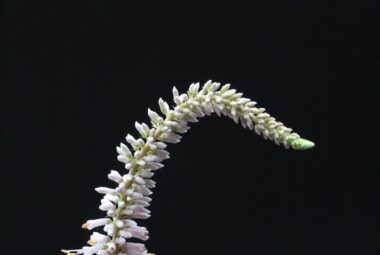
x: 129, y: 200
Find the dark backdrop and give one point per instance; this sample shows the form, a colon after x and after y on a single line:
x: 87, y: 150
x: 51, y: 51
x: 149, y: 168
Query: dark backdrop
x: 77, y: 75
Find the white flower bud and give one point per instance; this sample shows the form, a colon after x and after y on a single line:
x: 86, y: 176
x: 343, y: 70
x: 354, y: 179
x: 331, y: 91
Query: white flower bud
x: 138, y: 180
x: 92, y: 249
x: 229, y: 93
x: 125, y: 234
x: 214, y: 86
x: 135, y: 248
x: 90, y: 224
x: 143, y: 190
x: 119, y: 223
x: 104, y: 190
x: 111, y: 247
x: 121, y: 204
x: 112, y: 198
x: 114, y: 176
x: 123, y: 159
x: 175, y: 92
x: 160, y: 145
x: 106, y: 205
x: 141, y: 202
x: 139, y: 232
x: 131, y: 140
x: 154, y: 166
x: 141, y: 215
x: 207, y: 85
x: 127, y: 177
x: 104, y: 252
x: 154, y: 117
x: 183, y: 97
x: 120, y: 241
x: 142, y: 131
x: 145, y: 173
x: 150, y: 184
x: 99, y: 238
x: 164, y: 107
x: 128, y: 166
x: 124, y: 150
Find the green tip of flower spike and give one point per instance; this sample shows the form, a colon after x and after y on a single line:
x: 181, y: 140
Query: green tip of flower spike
x: 301, y: 144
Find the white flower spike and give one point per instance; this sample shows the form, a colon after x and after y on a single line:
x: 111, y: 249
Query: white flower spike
x: 129, y: 199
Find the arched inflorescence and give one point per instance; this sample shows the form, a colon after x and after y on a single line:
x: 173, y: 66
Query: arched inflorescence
x: 127, y: 202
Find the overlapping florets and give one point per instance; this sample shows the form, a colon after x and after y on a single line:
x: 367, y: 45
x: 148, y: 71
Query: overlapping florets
x: 129, y: 200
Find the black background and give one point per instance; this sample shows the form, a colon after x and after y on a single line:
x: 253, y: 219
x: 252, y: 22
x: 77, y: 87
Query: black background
x: 78, y: 74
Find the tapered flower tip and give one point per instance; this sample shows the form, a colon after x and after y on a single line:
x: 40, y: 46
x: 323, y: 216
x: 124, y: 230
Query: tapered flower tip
x: 301, y: 144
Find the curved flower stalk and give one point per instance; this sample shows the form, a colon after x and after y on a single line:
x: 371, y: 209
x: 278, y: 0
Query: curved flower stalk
x: 127, y: 202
